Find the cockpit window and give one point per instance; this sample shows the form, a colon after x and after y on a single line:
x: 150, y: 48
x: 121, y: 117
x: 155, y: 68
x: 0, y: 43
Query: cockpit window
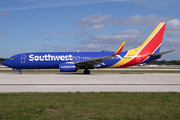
x: 12, y: 58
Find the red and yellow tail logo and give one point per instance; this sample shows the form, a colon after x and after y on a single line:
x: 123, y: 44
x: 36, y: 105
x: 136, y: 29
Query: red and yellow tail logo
x: 154, y: 41
x: 140, y: 54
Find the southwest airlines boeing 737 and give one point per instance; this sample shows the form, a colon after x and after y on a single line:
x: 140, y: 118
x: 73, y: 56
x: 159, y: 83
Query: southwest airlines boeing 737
x: 72, y: 61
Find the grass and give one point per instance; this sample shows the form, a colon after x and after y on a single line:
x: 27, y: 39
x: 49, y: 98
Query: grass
x: 90, y: 106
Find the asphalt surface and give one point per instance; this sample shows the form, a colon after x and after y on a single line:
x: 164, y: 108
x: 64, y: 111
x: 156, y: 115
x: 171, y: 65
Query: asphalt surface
x: 95, y: 82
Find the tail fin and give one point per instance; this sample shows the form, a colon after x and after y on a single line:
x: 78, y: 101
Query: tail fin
x: 150, y: 47
x: 153, y: 42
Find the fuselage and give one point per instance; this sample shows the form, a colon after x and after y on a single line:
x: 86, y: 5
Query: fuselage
x: 52, y: 60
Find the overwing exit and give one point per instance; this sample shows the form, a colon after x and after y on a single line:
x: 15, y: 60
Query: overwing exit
x: 73, y: 61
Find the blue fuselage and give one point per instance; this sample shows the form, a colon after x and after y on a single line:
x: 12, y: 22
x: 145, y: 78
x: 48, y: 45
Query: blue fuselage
x: 52, y: 60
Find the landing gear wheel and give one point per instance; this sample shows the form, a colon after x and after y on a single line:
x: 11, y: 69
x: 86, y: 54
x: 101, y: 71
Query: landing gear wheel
x: 19, y: 72
x: 86, y: 72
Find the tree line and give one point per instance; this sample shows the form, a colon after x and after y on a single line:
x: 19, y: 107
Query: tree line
x: 164, y: 62
x: 155, y: 62
x: 2, y: 59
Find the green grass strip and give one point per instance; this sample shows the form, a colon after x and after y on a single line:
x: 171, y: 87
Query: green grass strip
x: 90, y: 106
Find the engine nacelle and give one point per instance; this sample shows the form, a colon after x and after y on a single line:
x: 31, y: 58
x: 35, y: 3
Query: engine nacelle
x: 67, y: 67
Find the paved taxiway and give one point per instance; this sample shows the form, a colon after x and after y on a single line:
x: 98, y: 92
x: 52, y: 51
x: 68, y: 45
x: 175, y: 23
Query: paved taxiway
x: 73, y: 82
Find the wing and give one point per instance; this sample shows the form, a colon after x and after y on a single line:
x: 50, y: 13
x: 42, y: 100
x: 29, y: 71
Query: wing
x: 100, y: 60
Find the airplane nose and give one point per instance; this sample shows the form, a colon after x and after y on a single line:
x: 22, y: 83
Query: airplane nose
x: 5, y: 63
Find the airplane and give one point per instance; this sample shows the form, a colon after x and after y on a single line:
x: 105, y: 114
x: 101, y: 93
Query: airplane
x: 73, y: 61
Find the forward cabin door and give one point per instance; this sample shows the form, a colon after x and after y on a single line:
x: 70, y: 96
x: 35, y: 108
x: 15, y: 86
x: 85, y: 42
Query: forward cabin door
x: 23, y: 58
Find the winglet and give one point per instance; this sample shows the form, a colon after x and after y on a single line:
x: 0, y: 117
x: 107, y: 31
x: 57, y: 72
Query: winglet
x: 119, y: 49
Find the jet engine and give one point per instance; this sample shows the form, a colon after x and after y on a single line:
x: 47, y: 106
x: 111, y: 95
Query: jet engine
x: 67, y: 67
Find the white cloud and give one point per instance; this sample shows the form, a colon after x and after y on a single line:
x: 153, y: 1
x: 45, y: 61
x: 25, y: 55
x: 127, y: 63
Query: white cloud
x: 92, y: 46
x: 173, y: 27
x: 140, y: 20
x: 95, y: 19
x: 98, y: 21
x: 96, y: 27
x: 172, y: 43
x: 127, y: 34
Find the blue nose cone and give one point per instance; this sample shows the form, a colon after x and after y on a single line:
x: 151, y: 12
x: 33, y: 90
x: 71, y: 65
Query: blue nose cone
x: 6, y: 63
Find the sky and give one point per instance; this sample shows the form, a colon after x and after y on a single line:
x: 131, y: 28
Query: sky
x: 86, y: 25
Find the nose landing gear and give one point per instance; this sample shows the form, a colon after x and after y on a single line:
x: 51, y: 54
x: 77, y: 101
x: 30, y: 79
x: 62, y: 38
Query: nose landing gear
x: 19, y: 70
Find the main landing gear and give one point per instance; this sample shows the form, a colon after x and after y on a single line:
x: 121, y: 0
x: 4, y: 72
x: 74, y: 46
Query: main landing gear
x: 20, y: 72
x: 86, y: 71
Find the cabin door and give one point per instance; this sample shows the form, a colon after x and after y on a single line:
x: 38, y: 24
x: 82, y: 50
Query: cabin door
x: 23, y: 58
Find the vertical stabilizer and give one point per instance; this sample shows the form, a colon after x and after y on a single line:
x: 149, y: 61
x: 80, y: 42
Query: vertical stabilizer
x: 153, y: 42
x: 140, y: 54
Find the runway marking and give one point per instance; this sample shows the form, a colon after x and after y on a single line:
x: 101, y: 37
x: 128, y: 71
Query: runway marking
x: 76, y: 84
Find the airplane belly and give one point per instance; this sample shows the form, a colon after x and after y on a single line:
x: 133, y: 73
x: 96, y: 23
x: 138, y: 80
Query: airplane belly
x: 39, y: 65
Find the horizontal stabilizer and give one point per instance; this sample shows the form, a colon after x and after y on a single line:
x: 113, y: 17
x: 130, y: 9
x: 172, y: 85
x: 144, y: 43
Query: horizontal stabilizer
x: 161, y: 53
